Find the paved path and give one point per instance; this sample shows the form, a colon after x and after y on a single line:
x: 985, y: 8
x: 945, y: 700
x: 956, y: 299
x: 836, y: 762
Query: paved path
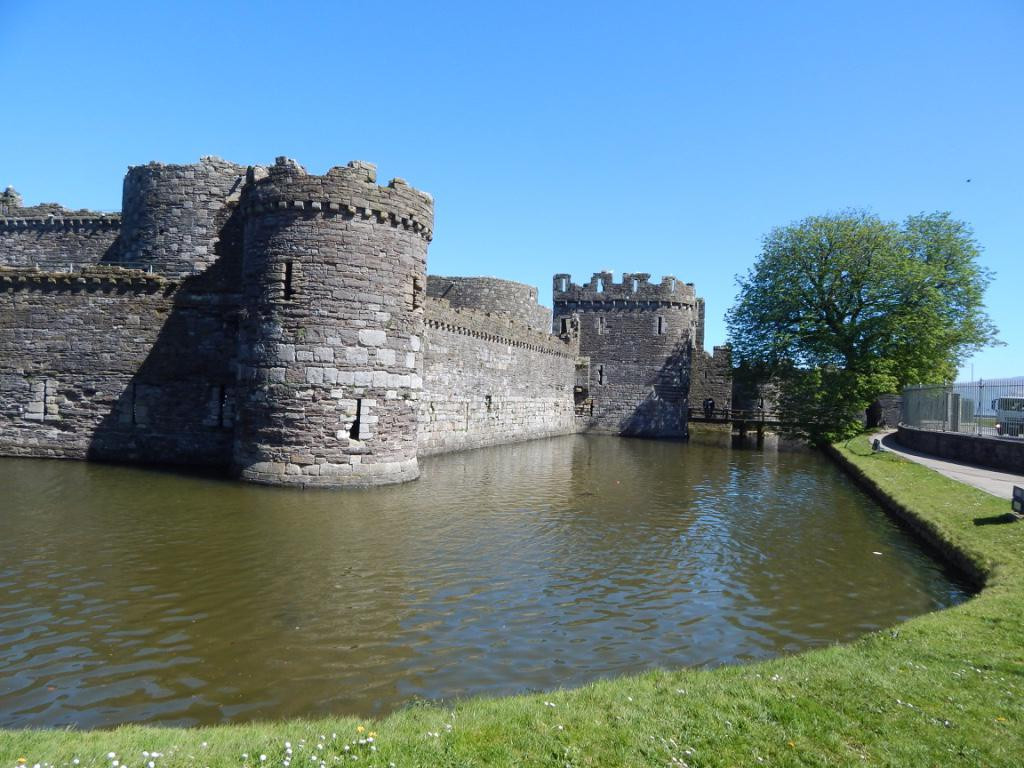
x: 991, y: 480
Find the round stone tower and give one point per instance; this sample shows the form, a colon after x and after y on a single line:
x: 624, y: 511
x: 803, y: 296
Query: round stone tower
x: 489, y: 294
x: 174, y: 216
x: 333, y: 280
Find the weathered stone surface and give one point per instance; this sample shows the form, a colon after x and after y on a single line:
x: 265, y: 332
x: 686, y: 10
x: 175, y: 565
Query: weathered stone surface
x: 711, y: 378
x: 491, y: 379
x: 639, y: 339
x: 51, y: 237
x: 281, y: 326
x: 307, y: 273
x: 489, y: 294
x: 129, y: 367
x: 179, y: 219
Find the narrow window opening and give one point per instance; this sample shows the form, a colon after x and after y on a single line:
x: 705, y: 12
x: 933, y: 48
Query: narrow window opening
x: 636, y: 285
x: 565, y: 325
x: 600, y: 285
x: 353, y: 433
x: 417, y: 293
x: 661, y: 326
x: 600, y: 374
x: 134, y: 398
x: 600, y: 325
x: 564, y: 283
x: 220, y: 405
x: 489, y: 401
x: 289, y: 291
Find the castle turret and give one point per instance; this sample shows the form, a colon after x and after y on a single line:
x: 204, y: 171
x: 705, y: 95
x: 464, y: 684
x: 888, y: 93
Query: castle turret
x: 334, y: 275
x: 10, y: 201
x: 175, y: 218
x: 638, y: 338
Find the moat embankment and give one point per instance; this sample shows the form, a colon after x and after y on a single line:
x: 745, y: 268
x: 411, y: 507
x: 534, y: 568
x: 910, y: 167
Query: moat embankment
x: 134, y: 595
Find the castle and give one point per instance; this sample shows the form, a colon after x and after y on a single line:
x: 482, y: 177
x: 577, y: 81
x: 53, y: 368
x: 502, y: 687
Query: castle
x: 282, y: 325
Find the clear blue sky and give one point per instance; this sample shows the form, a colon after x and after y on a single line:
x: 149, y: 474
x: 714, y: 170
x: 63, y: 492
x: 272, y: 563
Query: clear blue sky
x: 663, y: 138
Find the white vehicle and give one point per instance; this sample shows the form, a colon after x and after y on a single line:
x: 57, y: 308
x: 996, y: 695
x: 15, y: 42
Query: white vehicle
x: 1009, y: 416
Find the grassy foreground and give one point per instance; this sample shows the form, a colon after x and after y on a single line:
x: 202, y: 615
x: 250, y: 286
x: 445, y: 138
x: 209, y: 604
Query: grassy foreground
x: 945, y: 689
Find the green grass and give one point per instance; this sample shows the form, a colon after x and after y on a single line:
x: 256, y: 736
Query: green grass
x: 945, y: 689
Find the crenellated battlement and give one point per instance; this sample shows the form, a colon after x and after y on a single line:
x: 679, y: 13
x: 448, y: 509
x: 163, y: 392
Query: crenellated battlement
x: 16, y: 217
x: 350, y: 191
x: 92, y: 278
x: 635, y: 287
x: 66, y: 221
x: 282, y: 324
x: 51, y: 236
x: 640, y: 338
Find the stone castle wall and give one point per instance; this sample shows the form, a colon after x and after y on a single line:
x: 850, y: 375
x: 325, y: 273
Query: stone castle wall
x: 115, y: 364
x: 490, y: 379
x: 489, y: 294
x: 638, y: 338
x: 52, y: 238
x: 712, y: 378
x: 282, y: 325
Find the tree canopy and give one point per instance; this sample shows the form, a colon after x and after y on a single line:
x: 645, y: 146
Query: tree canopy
x: 838, y: 309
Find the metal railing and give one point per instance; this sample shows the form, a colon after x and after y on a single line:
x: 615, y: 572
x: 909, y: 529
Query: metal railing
x: 992, y: 408
x: 71, y: 266
x: 723, y: 415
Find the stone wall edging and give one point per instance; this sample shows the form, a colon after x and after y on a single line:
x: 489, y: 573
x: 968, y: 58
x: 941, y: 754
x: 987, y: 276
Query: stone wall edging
x: 994, y: 452
x: 926, y: 530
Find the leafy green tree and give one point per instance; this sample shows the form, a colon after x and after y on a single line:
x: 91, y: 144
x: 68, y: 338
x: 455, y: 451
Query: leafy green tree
x: 839, y: 309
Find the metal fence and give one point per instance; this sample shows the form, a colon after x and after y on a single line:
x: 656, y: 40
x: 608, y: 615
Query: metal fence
x: 993, y: 408
x: 71, y: 266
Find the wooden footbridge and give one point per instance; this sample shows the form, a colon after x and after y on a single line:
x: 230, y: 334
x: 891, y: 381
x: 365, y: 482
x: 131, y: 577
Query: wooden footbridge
x: 741, y: 421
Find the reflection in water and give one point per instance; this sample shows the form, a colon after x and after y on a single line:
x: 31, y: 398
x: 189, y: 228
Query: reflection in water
x: 135, y: 595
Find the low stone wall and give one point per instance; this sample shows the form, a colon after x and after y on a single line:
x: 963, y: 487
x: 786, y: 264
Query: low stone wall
x: 489, y: 379
x: 926, y: 529
x: 998, y: 453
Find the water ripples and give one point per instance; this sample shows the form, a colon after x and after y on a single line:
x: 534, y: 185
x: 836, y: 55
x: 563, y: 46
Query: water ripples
x: 131, y: 595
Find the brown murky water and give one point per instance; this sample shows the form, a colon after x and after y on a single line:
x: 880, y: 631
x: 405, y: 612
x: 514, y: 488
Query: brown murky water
x: 137, y: 595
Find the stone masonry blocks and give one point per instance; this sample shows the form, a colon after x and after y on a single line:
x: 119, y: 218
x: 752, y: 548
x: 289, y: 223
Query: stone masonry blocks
x: 333, y: 298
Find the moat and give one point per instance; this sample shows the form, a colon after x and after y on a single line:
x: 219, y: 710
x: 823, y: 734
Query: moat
x: 136, y: 595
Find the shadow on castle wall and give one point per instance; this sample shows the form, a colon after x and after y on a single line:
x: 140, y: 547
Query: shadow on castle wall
x: 179, y: 406
x: 664, y: 413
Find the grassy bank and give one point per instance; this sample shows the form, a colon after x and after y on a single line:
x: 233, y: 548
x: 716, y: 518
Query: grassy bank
x: 946, y: 689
